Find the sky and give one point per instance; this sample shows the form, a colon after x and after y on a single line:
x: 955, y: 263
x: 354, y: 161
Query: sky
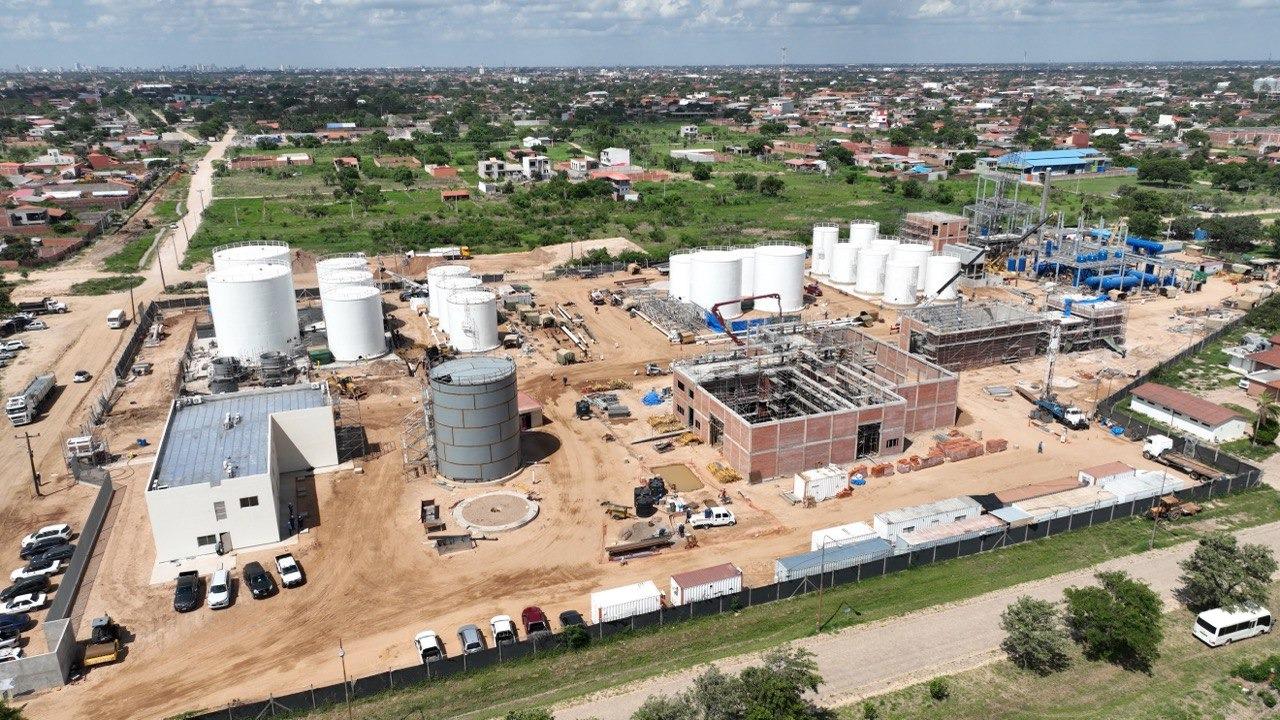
x: 391, y: 33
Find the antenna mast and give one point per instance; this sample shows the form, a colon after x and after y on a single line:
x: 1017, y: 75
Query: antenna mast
x: 782, y: 73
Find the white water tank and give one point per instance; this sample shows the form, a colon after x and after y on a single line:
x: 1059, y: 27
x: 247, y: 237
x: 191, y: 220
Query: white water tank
x: 870, y: 276
x: 266, y: 253
x: 473, y: 320
x: 678, y: 276
x: 717, y: 278
x: 434, y: 275
x: 900, y: 283
x: 254, y: 310
x: 885, y: 244
x: 333, y: 263
x: 780, y: 270
x: 914, y: 254
x: 862, y: 232
x: 939, y: 270
x: 447, y: 286
x: 825, y: 236
x: 336, y: 278
x: 843, y: 257
x: 353, y: 322
x: 748, y: 258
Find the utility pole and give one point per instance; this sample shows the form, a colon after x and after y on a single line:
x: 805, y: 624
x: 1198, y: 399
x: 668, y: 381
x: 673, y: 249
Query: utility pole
x: 31, y: 458
x: 346, y: 689
x: 160, y: 260
x: 822, y: 569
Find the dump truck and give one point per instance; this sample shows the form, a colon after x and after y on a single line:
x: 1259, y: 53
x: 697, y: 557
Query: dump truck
x: 1171, y: 507
x: 1160, y: 449
x: 450, y: 252
x: 42, y: 306
x: 24, y: 408
x: 104, y: 642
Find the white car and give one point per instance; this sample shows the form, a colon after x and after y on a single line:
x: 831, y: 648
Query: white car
x: 9, y: 641
x: 37, y: 325
x: 81, y: 376
x: 429, y: 646
x: 25, y: 603
x: 27, y: 571
x: 290, y: 571
x: 12, y: 653
x: 715, y: 516
x: 220, y: 590
x: 61, y: 530
x: 504, y: 630
x: 13, y: 345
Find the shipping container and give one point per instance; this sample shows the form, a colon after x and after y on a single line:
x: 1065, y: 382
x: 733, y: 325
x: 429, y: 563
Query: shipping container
x: 840, y: 535
x: 820, y: 483
x: 621, y: 603
x: 712, y: 582
x: 829, y: 559
x: 892, y: 523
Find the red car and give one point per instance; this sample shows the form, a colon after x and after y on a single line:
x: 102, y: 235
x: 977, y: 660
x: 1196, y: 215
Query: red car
x: 534, y: 621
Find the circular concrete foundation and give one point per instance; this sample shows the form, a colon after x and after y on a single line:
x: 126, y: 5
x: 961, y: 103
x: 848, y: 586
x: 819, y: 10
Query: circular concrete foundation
x: 496, y: 512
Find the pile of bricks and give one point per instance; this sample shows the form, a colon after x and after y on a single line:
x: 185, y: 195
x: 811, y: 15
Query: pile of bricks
x: 905, y: 465
x: 882, y: 470
x: 858, y: 470
x: 959, y: 446
x: 933, y: 459
x: 995, y: 445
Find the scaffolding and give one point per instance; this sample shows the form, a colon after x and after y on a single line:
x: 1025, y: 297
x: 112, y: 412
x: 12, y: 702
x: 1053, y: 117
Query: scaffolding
x: 997, y: 217
x: 1090, y: 323
x: 963, y: 336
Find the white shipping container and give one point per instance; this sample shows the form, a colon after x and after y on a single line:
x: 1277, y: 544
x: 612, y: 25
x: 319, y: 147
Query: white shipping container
x: 840, y: 535
x: 621, y: 603
x: 705, y: 584
x: 892, y: 523
x: 819, y: 483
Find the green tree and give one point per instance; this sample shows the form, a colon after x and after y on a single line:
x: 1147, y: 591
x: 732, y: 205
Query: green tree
x: 912, y: 189
x: 888, y: 184
x: 1117, y: 620
x: 575, y: 637
x: 758, y: 146
x: 1034, y: 638
x: 775, y: 690
x: 1222, y: 572
x: 901, y: 136
x: 744, y: 181
x: 1144, y: 224
x: 771, y: 129
x: 533, y: 714
x: 1107, y: 143
x: 1164, y: 170
x: 1196, y: 138
x: 267, y: 143
x: 771, y: 186
x: 943, y: 195
x: 9, y: 712
x: 701, y: 172
x: 370, y: 195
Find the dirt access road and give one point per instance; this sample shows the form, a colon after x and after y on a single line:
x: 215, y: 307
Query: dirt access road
x: 878, y: 657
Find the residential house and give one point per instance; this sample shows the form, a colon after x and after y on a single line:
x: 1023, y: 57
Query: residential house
x: 1187, y: 413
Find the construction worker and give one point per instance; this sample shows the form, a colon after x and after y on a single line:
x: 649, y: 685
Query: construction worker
x: 1040, y: 448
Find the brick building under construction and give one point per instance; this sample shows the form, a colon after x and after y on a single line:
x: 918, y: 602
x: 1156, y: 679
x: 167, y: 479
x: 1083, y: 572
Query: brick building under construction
x: 801, y: 397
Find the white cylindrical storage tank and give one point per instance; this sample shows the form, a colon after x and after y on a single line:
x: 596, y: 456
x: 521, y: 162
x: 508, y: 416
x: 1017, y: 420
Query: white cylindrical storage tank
x: 780, y: 269
x: 473, y: 320
x: 717, y: 278
x: 870, y: 276
x: 747, y: 256
x: 862, y: 232
x: 353, y: 322
x: 938, y: 270
x: 475, y: 417
x: 254, y: 310
x: 337, y: 278
x: 267, y: 253
x: 917, y: 255
x: 885, y: 244
x: 825, y: 236
x: 337, y: 263
x: 900, y: 283
x: 843, y: 259
x: 434, y: 275
x: 445, y: 287
x: 681, y: 269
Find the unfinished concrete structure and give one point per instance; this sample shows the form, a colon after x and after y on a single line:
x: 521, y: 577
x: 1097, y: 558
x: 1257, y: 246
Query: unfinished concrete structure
x: 958, y: 337
x: 1090, y: 323
x: 802, y: 397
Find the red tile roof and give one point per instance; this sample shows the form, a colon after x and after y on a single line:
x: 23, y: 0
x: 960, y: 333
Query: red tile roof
x: 1269, y: 357
x: 1115, y: 467
x: 706, y: 575
x: 1185, y: 403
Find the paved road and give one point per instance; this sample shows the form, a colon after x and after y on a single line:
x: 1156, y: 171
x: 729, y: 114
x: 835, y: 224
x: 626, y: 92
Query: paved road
x: 874, y: 658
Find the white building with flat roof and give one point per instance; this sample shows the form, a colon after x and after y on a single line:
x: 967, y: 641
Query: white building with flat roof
x: 223, y: 461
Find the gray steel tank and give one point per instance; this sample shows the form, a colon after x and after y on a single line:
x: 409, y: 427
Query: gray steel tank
x: 476, y: 418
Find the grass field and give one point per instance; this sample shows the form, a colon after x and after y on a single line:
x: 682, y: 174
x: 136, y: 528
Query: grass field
x: 620, y: 659
x: 107, y: 285
x: 1189, y: 681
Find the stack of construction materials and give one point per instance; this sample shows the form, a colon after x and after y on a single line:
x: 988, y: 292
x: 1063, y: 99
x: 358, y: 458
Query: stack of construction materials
x: 959, y: 446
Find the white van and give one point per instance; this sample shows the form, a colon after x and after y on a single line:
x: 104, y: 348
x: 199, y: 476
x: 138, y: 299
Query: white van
x: 1221, y: 626
x: 116, y: 319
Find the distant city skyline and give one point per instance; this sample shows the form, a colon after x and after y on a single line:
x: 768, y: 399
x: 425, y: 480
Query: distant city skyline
x: 497, y: 33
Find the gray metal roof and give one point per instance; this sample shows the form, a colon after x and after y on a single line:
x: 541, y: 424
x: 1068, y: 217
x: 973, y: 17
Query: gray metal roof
x: 196, y: 441
x: 963, y: 503
x: 836, y: 557
x: 473, y: 370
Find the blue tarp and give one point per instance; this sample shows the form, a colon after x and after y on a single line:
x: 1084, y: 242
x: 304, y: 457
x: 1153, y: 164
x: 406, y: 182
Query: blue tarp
x: 652, y: 398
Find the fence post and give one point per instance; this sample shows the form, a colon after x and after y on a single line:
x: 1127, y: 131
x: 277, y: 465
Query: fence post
x: 312, y: 690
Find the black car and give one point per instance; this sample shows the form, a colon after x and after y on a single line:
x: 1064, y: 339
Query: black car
x: 570, y: 618
x: 40, y: 546
x: 186, y: 597
x: 14, y: 622
x: 39, y: 564
x: 57, y: 552
x: 261, y: 583
x: 37, y: 584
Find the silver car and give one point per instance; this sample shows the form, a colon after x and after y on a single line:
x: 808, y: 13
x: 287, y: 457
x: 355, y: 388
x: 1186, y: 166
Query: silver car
x: 471, y: 639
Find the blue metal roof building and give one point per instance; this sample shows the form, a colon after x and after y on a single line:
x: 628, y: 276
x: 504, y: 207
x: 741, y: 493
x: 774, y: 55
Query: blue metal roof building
x: 1055, y: 161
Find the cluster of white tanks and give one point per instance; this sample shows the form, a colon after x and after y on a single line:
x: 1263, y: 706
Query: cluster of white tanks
x: 899, y: 272
x: 252, y: 300
x: 707, y: 278
x: 352, y: 307
x: 467, y: 313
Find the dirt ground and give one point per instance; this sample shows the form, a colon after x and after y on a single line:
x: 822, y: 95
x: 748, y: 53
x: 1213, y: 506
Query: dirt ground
x: 374, y: 581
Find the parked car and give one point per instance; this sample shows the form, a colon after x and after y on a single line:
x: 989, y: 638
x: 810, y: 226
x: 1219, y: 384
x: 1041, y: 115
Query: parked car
x: 1243, y: 383
x: 25, y: 603
x: 715, y: 516
x: 37, y: 325
x: 38, y: 547
x: 504, y: 631
x: 186, y: 596
x: 1223, y: 626
x: 471, y: 639
x: 7, y: 355
x: 14, y: 622
x: 534, y: 621
x: 258, y: 579
x: 61, y: 530
x: 36, y: 569
x: 220, y: 590
x: 10, y: 640
x: 290, y: 571
x: 429, y: 646
x: 571, y: 618
x: 39, y: 583
x: 12, y: 653
x: 13, y: 345
x: 57, y: 552
x: 81, y: 376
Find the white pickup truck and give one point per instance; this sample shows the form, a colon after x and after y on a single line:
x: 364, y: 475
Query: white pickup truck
x: 290, y: 571
x: 715, y: 516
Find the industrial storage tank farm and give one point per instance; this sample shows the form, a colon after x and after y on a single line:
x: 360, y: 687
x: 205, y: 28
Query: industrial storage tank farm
x: 353, y: 322
x: 254, y: 310
x: 256, y: 253
x: 475, y: 418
